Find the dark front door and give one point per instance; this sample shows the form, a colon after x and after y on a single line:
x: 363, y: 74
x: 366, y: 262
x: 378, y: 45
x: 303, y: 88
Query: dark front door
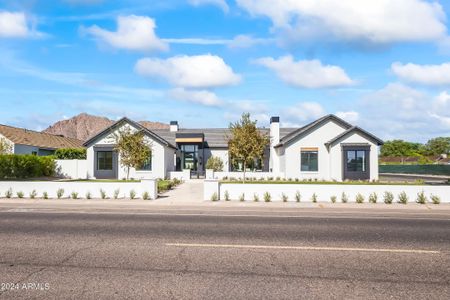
x: 356, y: 162
x: 106, y: 164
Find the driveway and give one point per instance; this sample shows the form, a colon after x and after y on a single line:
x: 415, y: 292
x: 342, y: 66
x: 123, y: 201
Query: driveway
x: 189, y: 192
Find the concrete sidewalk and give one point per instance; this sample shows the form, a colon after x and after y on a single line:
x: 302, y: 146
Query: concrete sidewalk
x: 189, y: 192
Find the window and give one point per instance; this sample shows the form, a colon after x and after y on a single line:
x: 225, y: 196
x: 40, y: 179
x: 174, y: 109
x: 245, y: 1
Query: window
x: 33, y: 153
x: 356, y: 160
x: 104, y: 160
x: 147, y: 166
x: 309, y: 161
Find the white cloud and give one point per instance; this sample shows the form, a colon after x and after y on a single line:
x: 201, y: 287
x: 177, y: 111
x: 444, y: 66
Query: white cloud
x: 239, y: 41
x: 306, y: 73
x: 349, y: 116
x: 376, y: 22
x: 297, y: 115
x: 16, y: 25
x: 133, y: 33
x: 423, y: 74
x: 199, y: 71
x: 247, y: 41
x: 220, y: 3
x: 195, y: 96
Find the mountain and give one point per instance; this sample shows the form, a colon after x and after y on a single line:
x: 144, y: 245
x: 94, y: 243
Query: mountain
x: 84, y: 126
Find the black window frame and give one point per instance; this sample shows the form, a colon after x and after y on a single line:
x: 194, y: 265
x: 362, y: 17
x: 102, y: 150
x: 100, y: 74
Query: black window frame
x: 309, y: 152
x: 103, y: 166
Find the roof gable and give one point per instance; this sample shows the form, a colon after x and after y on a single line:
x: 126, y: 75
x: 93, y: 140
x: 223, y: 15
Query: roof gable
x: 138, y: 126
x: 353, y: 129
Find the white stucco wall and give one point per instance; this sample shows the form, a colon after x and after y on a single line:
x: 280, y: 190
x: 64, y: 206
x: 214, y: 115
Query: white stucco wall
x: 11, y: 144
x: 336, y: 163
x: 221, y: 153
x: 72, y: 168
x: 162, y: 158
x: 316, y: 138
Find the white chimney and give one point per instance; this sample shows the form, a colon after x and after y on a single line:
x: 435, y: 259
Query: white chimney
x: 274, y: 161
x: 173, y: 126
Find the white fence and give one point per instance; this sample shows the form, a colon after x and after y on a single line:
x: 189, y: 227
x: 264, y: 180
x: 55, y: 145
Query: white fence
x: 322, y: 191
x: 72, y: 168
x: 210, y: 174
x: 184, y: 175
x: 81, y: 188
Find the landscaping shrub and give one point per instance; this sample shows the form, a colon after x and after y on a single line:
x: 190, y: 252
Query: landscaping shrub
x: 267, y: 197
x: 13, y: 166
x: 421, y: 198
x: 359, y: 198
x: 298, y: 196
x: 9, y: 193
x: 344, y: 197
x: 215, y: 163
x: 74, y: 195
x: 146, y: 196
x: 284, y: 197
x: 132, y: 194
x: 116, y: 193
x: 435, y: 199
x: 59, y: 193
x: 70, y: 153
x: 314, y: 198
x: 388, y: 197
x: 20, y: 194
x: 214, y: 197
x: 88, y: 195
x: 33, y: 194
x: 403, y: 198
x: 333, y: 199
x: 45, y: 195
x: 255, y: 197
x: 373, y: 197
x: 102, y: 194
x: 242, y: 197
x: 226, y: 196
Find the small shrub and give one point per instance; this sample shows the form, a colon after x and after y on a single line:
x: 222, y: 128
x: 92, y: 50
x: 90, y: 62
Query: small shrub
x: 19, y: 194
x: 403, y: 198
x: 284, y: 197
x: 70, y: 153
x: 344, y: 197
x: 255, y: 197
x: 88, y: 195
x: 226, y: 195
x: 388, y: 197
x: 215, y: 163
x: 314, y: 198
x: 359, y: 198
x: 373, y: 197
x: 333, y: 199
x: 296, y: 180
x: 60, y: 193
x: 102, y: 194
x: 298, y: 196
x: 435, y: 199
x: 176, y: 181
x: 146, y: 196
x: 267, y: 197
x: 242, y: 197
x: 278, y: 178
x: 214, y: 197
x: 45, y: 195
x: 9, y: 193
x: 74, y: 195
x: 132, y: 194
x: 116, y: 193
x: 421, y: 198
x: 33, y: 194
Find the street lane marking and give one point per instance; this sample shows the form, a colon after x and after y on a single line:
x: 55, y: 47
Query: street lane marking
x: 417, y: 251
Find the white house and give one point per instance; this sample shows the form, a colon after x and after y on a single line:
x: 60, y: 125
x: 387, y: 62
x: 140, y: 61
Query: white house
x: 328, y: 148
x: 25, y: 141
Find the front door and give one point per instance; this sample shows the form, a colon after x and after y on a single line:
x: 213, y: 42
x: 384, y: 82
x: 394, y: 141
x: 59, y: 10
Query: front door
x: 356, y: 163
x: 106, y: 164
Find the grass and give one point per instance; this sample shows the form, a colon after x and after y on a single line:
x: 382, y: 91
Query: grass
x: 319, y: 182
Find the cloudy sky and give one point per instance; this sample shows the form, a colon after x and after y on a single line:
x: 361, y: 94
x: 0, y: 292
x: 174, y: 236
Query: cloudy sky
x: 384, y: 65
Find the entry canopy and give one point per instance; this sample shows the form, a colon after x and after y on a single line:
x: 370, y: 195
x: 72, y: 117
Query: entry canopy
x: 189, y: 137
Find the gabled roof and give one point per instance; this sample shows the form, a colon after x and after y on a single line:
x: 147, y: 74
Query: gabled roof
x: 355, y: 129
x: 134, y: 124
x: 38, y: 139
x: 311, y: 126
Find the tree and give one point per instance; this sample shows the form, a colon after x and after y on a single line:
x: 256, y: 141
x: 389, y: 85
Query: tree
x: 246, y: 143
x: 437, y: 146
x: 401, y: 148
x: 5, y: 146
x: 214, y: 163
x: 133, y: 149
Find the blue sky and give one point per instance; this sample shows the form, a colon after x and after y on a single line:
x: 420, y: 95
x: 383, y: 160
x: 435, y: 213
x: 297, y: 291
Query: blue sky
x: 383, y: 65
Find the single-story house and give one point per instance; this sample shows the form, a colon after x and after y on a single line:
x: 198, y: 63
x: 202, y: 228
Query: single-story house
x: 328, y: 148
x: 25, y: 141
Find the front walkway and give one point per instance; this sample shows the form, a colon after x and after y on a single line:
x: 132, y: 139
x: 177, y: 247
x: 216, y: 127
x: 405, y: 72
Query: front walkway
x: 189, y: 192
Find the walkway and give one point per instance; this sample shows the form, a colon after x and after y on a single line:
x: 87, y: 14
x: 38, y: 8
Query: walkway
x: 189, y: 192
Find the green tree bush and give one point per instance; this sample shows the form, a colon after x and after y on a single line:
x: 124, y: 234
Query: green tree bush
x: 215, y: 163
x: 70, y: 153
x: 13, y: 166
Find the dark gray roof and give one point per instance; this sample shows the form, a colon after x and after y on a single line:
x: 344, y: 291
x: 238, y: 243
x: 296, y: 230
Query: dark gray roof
x: 353, y: 129
x: 214, y: 137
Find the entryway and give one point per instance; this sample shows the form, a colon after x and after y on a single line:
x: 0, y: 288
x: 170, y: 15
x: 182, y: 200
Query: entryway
x: 186, y: 193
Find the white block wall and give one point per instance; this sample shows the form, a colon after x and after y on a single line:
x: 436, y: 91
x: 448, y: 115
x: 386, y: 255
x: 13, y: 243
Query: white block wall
x: 72, y: 168
x: 240, y: 175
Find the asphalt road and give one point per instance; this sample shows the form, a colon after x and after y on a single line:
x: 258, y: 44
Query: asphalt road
x: 232, y: 255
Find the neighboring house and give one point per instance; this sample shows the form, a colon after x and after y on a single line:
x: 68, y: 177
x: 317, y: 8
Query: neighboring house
x: 328, y: 148
x: 24, y: 141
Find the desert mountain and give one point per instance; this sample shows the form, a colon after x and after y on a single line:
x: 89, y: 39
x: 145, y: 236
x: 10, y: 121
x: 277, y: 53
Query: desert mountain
x: 84, y: 126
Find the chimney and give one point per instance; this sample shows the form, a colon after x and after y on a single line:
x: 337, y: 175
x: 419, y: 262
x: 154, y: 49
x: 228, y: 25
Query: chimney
x: 274, y: 161
x: 173, y: 126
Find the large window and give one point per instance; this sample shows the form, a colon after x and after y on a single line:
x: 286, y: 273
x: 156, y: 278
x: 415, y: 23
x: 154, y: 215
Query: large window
x: 356, y: 160
x: 104, y: 160
x: 147, y: 166
x: 309, y: 160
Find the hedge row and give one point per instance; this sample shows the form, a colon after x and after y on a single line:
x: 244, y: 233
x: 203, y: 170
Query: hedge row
x: 70, y: 153
x: 13, y: 166
x: 416, y: 169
